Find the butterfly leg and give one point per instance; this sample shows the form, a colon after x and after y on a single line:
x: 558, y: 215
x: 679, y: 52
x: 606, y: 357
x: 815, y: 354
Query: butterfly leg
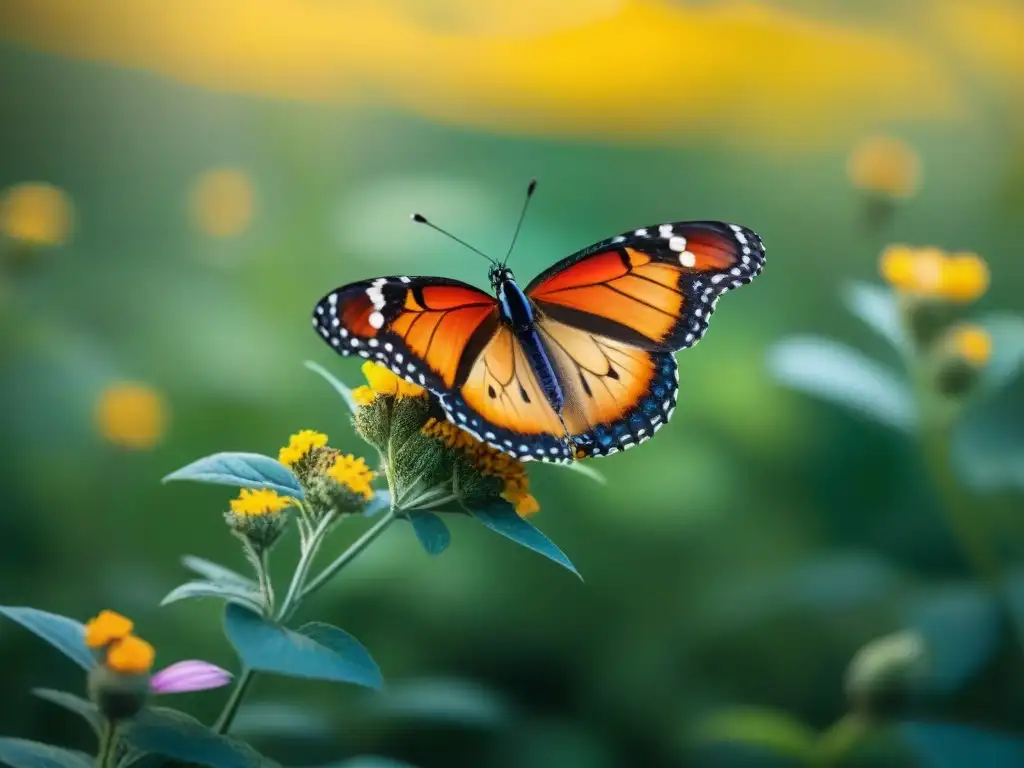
x: 578, y: 446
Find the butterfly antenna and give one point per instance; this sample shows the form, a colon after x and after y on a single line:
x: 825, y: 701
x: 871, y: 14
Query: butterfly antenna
x: 522, y: 214
x: 421, y: 219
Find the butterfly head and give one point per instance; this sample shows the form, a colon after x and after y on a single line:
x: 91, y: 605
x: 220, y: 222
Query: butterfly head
x: 498, y: 275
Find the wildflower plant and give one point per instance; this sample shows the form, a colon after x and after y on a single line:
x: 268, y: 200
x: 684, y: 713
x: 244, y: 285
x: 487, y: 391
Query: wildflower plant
x: 426, y: 470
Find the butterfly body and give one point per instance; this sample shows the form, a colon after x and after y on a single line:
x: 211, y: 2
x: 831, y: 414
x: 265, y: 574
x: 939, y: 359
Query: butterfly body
x: 579, y: 363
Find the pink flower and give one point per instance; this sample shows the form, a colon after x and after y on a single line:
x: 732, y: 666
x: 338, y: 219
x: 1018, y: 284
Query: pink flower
x: 188, y: 676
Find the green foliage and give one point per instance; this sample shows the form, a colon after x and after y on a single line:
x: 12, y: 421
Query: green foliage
x: 430, y: 530
x: 21, y: 753
x: 64, y: 634
x: 317, y: 652
x: 335, y: 382
x: 248, y: 597
x: 877, y: 307
x: 501, y: 518
x: 176, y: 735
x: 841, y: 375
x: 217, y: 573
x: 81, y: 707
x: 757, y: 731
x: 241, y: 470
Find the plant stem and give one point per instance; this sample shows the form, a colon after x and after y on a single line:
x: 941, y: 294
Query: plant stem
x: 839, y: 740
x: 349, y: 554
x: 107, y: 753
x: 266, y: 586
x: 227, y: 715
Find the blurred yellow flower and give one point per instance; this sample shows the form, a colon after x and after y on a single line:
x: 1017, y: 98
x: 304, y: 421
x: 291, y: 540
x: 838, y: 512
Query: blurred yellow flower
x: 35, y: 213
x: 383, y: 382
x: 972, y: 343
x: 884, y: 165
x: 740, y: 69
x: 987, y: 33
x: 105, y: 628
x: 488, y: 461
x: 965, y: 277
x: 131, y: 656
x: 354, y: 474
x: 300, y: 445
x: 222, y: 202
x: 260, y: 502
x: 932, y: 273
x: 131, y: 415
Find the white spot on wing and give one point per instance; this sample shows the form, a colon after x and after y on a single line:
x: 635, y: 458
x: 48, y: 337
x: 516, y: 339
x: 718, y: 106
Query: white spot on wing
x: 376, y: 320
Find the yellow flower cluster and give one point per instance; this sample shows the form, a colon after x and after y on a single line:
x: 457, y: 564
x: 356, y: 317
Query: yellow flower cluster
x: 300, y: 445
x: 381, y: 381
x: 260, y: 502
x: 354, y: 474
x: 489, y: 461
x: 933, y: 273
x: 884, y: 165
x: 971, y: 343
x: 111, y: 634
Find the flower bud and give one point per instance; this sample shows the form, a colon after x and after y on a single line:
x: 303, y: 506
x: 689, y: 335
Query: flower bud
x: 964, y: 352
x: 258, y: 518
x: 886, y: 674
x: 119, y: 685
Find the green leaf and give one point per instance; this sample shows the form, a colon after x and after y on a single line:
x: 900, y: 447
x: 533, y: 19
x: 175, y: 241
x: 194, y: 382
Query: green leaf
x: 586, y: 470
x: 217, y: 573
x: 431, y: 531
x: 327, y: 654
x: 64, y: 634
x: 443, y: 701
x: 879, y: 309
x: 246, y: 596
x: 370, y: 761
x: 501, y: 518
x: 341, y: 389
x: 346, y: 646
x: 242, y: 470
x: 843, y: 376
x: 1007, y: 332
x: 765, y: 729
x: 81, y: 707
x: 181, y: 737
x: 21, y: 753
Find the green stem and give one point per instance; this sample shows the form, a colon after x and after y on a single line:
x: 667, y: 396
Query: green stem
x: 838, y: 740
x: 266, y: 586
x: 227, y: 715
x: 349, y: 554
x: 107, y: 753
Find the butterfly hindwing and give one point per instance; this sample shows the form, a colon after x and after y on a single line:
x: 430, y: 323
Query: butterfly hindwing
x: 653, y: 287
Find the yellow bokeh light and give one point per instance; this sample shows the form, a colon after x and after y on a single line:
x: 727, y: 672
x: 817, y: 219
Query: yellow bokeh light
x: 886, y: 166
x: 131, y: 415
x: 35, y: 213
x: 222, y: 202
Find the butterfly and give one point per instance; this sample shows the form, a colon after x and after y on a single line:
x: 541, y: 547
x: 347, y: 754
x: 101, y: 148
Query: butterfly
x: 578, y: 364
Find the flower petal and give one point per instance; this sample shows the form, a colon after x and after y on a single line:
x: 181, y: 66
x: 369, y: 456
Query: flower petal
x: 187, y: 676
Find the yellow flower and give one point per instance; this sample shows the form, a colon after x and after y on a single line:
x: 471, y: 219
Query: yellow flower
x: 965, y: 277
x: 363, y: 395
x: 490, y: 462
x: 300, y: 445
x: 886, y: 166
x: 259, y: 503
x: 130, y: 656
x: 383, y: 382
x: 972, y: 343
x: 35, y: 213
x: 930, y: 272
x: 105, y: 628
x: 353, y: 474
x: 222, y: 202
x: 131, y: 415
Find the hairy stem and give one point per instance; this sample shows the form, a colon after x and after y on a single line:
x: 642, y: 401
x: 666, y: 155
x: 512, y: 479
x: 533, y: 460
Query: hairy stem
x: 227, y: 715
x: 106, y: 756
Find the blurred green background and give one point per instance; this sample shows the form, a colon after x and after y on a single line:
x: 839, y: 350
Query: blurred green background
x: 199, y: 174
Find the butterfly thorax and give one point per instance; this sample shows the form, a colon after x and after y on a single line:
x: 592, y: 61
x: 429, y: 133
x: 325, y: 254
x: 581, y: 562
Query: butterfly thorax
x: 517, y: 312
